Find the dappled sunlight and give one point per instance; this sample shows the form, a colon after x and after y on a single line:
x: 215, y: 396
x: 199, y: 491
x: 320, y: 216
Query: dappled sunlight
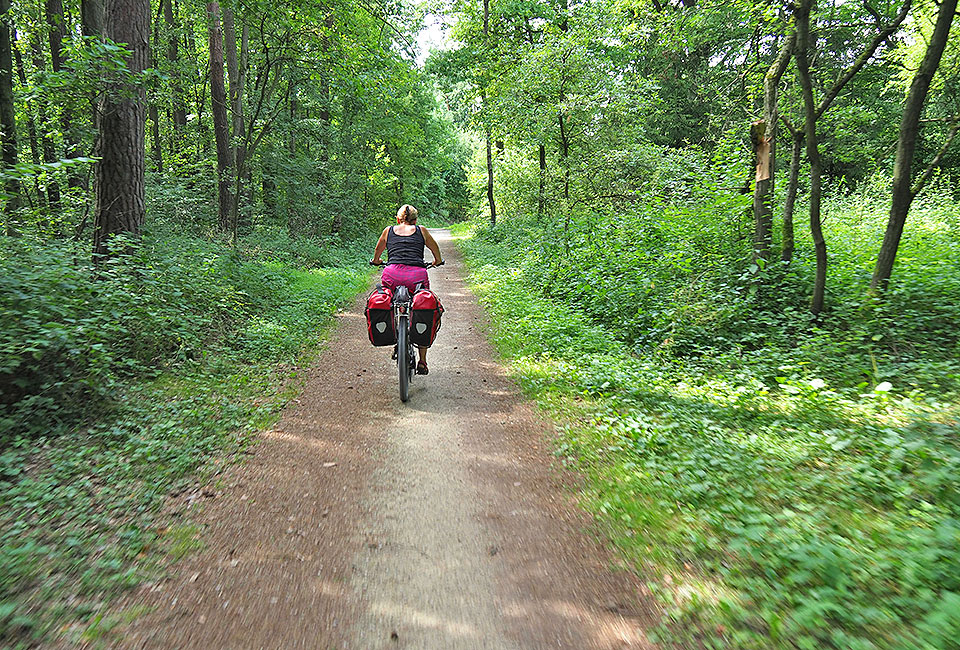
x: 412, y: 616
x: 606, y: 629
x: 315, y: 443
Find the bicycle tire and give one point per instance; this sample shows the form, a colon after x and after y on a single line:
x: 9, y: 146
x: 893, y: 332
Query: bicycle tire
x: 403, y: 357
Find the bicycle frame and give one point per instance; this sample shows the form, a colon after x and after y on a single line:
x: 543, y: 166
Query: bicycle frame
x: 406, y: 357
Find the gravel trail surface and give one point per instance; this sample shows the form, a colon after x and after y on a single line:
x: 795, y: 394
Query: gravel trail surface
x: 360, y: 522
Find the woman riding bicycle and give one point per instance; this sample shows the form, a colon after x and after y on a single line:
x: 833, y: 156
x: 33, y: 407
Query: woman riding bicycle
x: 404, y: 244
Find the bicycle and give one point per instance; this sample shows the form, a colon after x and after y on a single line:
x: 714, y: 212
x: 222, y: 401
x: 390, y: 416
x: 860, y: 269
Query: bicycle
x: 406, y: 355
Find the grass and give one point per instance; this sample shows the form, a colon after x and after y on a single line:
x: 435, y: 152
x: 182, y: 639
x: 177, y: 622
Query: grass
x: 85, y: 508
x: 770, y: 503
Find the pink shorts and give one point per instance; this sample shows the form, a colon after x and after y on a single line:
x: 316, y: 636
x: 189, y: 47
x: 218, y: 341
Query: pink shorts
x: 395, y: 275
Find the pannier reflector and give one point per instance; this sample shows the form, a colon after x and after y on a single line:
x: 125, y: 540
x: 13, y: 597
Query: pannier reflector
x: 421, y: 328
x: 381, y: 327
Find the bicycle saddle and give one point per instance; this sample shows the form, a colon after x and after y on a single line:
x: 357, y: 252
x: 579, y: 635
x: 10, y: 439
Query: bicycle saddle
x: 401, y: 294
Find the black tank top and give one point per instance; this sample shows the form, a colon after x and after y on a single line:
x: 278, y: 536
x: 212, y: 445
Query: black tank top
x: 405, y: 249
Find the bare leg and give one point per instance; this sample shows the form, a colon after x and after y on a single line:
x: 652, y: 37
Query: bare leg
x: 423, y: 353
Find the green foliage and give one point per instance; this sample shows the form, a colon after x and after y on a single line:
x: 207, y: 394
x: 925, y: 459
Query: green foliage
x: 783, y: 483
x: 119, y: 384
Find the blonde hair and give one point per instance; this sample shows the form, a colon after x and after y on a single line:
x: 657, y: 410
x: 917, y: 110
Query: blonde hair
x: 407, y: 214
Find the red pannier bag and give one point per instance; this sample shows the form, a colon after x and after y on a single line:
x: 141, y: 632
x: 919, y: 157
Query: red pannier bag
x: 380, y: 325
x: 425, y: 320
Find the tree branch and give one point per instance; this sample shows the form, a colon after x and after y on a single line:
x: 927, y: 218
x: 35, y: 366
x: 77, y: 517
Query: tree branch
x: 928, y: 172
x: 865, y: 56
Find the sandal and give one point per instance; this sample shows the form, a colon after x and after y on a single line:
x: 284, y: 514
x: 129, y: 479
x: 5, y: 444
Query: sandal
x: 422, y: 368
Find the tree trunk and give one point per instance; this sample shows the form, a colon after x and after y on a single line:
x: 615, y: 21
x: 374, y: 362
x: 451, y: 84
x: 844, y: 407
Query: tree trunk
x: 487, y: 130
x: 564, y: 155
x: 57, y: 26
x: 903, y: 194
x: 813, y: 153
x: 121, y: 122
x: 8, y: 123
x: 236, y: 111
x: 765, y: 153
x: 156, y: 145
x: 541, y: 190
x: 493, y: 205
x: 173, y: 55
x: 31, y: 116
x: 218, y: 99
x: 46, y: 142
x: 787, y: 240
x: 92, y: 17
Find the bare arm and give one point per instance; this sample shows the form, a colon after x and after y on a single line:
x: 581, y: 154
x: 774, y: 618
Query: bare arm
x: 381, y: 245
x: 432, y: 245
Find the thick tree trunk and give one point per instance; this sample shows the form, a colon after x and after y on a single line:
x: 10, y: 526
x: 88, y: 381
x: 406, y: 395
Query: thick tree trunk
x: 121, y: 122
x: 765, y: 153
x: 92, y: 17
x: 813, y: 153
x: 8, y: 123
x: 787, y: 239
x: 218, y: 99
x: 903, y: 194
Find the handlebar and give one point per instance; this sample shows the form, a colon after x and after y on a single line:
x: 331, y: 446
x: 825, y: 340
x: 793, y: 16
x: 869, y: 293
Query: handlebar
x: 433, y: 265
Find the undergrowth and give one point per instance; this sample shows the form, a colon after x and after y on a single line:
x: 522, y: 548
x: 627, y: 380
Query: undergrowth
x: 120, y: 384
x: 779, y: 489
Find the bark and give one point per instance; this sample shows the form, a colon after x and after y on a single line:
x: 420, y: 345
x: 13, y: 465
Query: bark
x: 56, y: 24
x: 46, y: 142
x: 237, y: 149
x: 269, y: 188
x: 323, y: 182
x: 156, y: 147
x: 564, y: 155
x: 903, y: 194
x: 218, y: 98
x: 173, y: 56
x: 813, y: 152
x: 121, y: 122
x: 31, y: 117
x: 8, y: 123
x: 787, y: 239
x: 765, y: 153
x: 92, y: 17
x: 541, y: 190
x: 493, y: 205
x: 483, y: 101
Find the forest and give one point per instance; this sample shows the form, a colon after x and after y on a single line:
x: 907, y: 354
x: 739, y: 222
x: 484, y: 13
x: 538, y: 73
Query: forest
x: 717, y: 242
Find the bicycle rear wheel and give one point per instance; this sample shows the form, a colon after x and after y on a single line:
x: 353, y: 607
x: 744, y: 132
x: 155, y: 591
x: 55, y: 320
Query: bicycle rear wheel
x: 403, y: 356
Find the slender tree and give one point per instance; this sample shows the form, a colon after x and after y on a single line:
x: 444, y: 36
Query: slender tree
x: 8, y: 122
x: 218, y: 98
x: 486, y: 118
x: 765, y: 151
x: 903, y: 193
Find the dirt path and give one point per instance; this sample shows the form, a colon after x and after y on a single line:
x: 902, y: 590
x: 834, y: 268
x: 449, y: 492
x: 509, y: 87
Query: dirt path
x: 363, y: 523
